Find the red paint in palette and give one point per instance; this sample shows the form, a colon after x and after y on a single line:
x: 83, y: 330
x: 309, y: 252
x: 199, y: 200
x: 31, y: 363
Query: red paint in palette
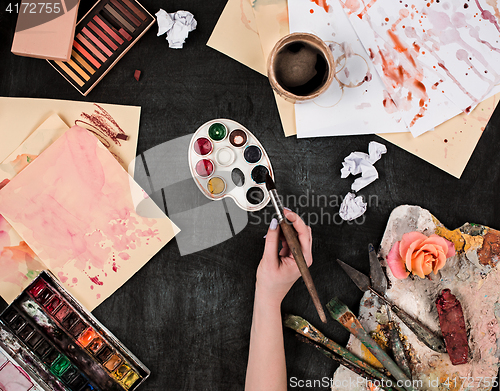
x: 204, y: 168
x: 202, y: 146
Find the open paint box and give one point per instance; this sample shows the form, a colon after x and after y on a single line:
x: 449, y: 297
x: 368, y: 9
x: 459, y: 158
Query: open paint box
x: 48, y: 337
x: 227, y: 160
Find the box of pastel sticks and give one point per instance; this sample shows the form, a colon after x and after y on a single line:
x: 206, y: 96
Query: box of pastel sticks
x: 56, y: 344
x: 102, y: 37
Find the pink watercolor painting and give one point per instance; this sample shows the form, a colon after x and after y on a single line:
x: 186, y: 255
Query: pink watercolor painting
x: 74, y: 207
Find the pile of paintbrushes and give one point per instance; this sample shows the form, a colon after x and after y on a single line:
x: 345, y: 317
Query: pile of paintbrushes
x: 398, y: 369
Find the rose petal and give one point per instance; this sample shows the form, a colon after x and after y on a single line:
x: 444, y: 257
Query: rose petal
x: 439, y: 263
x: 428, y: 263
x: 430, y: 248
x: 409, y: 254
x: 396, y: 264
x: 451, y: 249
x: 417, y: 263
x: 407, y: 240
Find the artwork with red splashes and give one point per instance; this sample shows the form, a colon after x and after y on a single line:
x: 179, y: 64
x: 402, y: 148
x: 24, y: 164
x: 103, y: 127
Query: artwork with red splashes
x: 436, y: 58
x: 74, y: 207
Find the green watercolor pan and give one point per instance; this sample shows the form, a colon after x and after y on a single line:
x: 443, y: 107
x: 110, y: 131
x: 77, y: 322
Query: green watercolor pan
x: 227, y: 160
x: 62, y: 345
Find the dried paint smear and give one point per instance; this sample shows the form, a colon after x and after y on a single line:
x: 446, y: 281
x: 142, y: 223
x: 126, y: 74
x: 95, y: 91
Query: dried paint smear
x: 73, y: 206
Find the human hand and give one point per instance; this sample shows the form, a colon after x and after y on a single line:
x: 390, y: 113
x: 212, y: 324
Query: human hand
x: 278, y: 272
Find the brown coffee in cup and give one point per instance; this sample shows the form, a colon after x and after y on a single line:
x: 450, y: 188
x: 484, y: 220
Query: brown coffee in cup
x: 300, y: 67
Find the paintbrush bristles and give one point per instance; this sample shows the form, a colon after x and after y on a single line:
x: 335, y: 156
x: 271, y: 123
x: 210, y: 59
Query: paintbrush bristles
x: 336, y: 308
x: 270, y: 183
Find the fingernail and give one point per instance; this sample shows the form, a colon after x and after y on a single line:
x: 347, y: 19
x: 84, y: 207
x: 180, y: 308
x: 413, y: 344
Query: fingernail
x: 274, y: 224
x: 288, y: 209
x: 265, y: 236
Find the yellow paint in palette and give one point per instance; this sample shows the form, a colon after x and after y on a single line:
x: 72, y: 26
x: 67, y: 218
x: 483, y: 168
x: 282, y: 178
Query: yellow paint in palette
x: 121, y: 371
x: 129, y: 380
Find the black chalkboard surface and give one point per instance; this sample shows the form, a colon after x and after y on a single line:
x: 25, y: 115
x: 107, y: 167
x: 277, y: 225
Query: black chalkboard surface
x: 188, y: 317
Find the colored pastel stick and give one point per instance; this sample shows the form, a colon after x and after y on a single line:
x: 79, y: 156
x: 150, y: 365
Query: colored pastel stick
x: 97, y: 41
x: 120, y: 18
x: 341, y: 313
x: 70, y: 73
x: 136, y: 10
x: 125, y: 12
x: 91, y: 47
x: 86, y: 54
x: 82, y: 62
x: 103, y: 36
x: 108, y: 29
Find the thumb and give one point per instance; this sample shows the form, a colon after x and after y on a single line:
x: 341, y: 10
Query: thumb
x: 272, y: 240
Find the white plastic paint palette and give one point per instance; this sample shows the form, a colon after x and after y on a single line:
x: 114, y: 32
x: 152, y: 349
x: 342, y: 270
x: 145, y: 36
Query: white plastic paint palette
x: 227, y: 160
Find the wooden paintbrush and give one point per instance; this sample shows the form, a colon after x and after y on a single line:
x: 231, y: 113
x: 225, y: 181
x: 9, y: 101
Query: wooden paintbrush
x: 294, y: 245
x: 341, y: 313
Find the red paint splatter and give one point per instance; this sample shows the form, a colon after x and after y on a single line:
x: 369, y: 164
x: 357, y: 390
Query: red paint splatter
x: 311, y: 11
x: 92, y: 287
x: 124, y: 256
x: 62, y: 277
x: 3, y: 183
x: 115, y: 268
x: 95, y: 280
x: 322, y: 3
x: 74, y: 280
x: 365, y: 10
x: 98, y: 296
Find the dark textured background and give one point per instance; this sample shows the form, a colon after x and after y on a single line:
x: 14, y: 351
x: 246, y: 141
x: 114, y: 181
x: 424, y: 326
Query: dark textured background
x: 188, y: 318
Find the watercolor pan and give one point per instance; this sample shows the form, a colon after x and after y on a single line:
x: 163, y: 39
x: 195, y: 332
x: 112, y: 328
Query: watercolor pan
x: 227, y: 160
x: 102, y: 37
x: 65, y: 343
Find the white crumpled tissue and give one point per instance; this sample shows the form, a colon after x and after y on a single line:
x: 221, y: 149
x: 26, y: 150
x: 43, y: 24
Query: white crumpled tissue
x: 360, y: 162
x: 352, y: 207
x: 177, y: 25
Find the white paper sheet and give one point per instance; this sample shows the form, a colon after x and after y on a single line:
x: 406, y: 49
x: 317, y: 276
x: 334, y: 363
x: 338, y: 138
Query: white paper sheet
x: 435, y: 58
x: 177, y: 25
x: 356, y: 102
x: 362, y: 163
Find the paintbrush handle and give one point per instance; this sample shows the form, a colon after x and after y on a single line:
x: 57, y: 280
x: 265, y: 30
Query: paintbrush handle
x: 296, y: 250
x: 341, y: 313
x: 305, y: 328
x: 421, y: 331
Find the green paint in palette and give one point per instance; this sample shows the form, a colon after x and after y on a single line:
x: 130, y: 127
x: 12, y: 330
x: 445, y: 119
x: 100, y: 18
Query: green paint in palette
x: 59, y: 366
x: 217, y: 131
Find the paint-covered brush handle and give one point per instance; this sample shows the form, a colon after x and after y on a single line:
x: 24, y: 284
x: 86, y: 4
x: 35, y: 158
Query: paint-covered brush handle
x: 341, y: 313
x: 420, y: 330
x: 398, y: 349
x: 296, y: 250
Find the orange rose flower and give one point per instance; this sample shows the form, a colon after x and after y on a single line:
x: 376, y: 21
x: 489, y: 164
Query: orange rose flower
x: 419, y: 254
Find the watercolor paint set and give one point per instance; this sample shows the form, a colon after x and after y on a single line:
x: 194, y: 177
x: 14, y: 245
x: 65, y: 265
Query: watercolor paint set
x: 59, y: 345
x: 102, y: 37
x: 227, y: 160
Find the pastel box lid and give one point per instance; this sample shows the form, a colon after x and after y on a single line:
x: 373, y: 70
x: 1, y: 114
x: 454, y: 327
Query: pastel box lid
x: 45, y: 30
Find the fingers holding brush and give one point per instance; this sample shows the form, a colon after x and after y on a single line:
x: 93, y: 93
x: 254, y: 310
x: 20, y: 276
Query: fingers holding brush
x: 304, y: 233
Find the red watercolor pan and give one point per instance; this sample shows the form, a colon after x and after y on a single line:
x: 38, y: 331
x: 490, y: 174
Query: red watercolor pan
x: 103, y: 36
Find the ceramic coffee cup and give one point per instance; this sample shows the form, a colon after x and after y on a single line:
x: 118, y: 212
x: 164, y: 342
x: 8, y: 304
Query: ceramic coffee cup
x: 300, y: 67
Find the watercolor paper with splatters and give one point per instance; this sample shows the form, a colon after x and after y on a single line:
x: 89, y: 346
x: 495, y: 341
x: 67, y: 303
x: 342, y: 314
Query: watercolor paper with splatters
x: 435, y: 58
x: 448, y: 147
x: 73, y: 206
x: 473, y: 277
x: 106, y: 121
x: 19, y: 264
x: 357, y: 95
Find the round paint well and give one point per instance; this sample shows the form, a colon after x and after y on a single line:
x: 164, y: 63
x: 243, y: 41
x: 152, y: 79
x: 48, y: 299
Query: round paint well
x: 252, y: 154
x: 216, y: 185
x: 225, y: 156
x: 217, y: 131
x: 238, y: 138
x: 204, y: 168
x: 238, y: 177
x: 259, y: 174
x: 255, y: 195
x: 203, y: 146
